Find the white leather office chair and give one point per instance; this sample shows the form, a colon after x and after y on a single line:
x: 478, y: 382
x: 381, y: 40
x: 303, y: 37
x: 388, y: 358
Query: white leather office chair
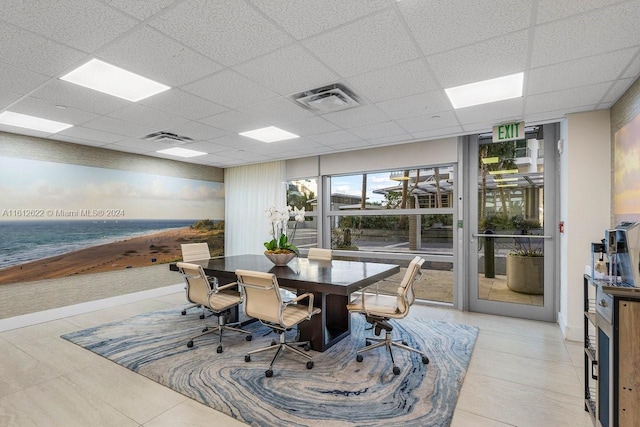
x: 218, y: 299
x: 194, y: 252
x: 320, y: 254
x: 379, y: 311
x: 263, y: 301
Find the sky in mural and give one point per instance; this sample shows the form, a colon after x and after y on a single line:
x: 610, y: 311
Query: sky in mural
x: 626, y: 199
x: 31, y: 189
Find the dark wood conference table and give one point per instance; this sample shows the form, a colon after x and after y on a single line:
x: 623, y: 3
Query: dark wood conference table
x: 331, y: 283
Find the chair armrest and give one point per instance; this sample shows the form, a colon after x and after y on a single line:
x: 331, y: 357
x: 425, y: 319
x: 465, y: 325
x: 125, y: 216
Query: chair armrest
x: 308, y: 295
x: 228, y: 285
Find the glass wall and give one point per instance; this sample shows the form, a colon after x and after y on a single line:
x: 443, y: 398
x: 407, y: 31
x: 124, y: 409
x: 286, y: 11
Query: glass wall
x: 303, y: 194
x: 387, y: 216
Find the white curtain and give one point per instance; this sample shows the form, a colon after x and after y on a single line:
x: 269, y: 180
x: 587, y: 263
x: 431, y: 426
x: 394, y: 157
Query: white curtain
x: 249, y: 190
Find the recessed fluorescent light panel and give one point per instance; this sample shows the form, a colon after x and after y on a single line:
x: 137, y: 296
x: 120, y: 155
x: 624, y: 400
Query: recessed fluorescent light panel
x: 107, y: 78
x: 503, y: 172
x: 31, y: 122
x: 269, y: 134
x: 487, y: 91
x: 181, y: 152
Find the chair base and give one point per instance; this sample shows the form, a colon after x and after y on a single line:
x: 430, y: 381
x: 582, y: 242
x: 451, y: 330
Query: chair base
x: 388, y: 343
x: 189, y: 307
x: 280, y: 347
x: 220, y: 328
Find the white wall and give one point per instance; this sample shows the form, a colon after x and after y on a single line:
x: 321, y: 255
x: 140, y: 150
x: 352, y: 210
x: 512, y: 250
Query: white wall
x: 416, y: 154
x: 585, y: 205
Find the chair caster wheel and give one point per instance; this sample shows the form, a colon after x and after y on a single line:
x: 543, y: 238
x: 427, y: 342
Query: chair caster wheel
x: 190, y: 344
x: 219, y: 349
x: 396, y: 370
x: 310, y: 364
x: 202, y: 316
x: 184, y: 312
x: 307, y: 347
x: 205, y: 329
x: 247, y: 358
x: 268, y: 373
x: 367, y: 343
x: 248, y: 337
x: 425, y: 360
x: 359, y: 358
x: 274, y: 342
x: 404, y: 342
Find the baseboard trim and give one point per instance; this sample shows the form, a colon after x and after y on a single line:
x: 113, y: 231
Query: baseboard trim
x: 85, y: 307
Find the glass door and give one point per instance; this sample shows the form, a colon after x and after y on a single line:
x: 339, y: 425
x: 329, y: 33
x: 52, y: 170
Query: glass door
x: 512, y: 221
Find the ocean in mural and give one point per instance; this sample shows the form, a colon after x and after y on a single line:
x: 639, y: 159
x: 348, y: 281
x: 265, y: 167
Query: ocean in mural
x: 24, y: 241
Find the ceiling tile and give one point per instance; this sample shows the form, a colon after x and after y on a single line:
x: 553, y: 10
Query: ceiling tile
x: 7, y: 98
x: 358, y: 116
x: 617, y: 90
x: 146, y: 116
x: 304, y: 19
x: 230, y: 89
x: 377, y: 41
x: 288, y: 70
x: 396, y: 81
x: 197, y: 131
x: 443, y: 25
x: 120, y: 127
x: 39, y: 108
x: 206, y: 146
x: 438, y: 133
x: 17, y: 80
x: 155, y: 56
x: 91, y: 136
x: 424, y: 123
x: 601, y: 68
x: 349, y: 145
x: 236, y: 141
x: 140, y: 9
x: 580, y: 96
x: 416, y: 105
x: 183, y: 104
x: 378, y: 130
x: 495, y: 112
x: 234, y: 121
x: 488, y: 60
x: 551, y: 10
x: 337, y: 138
x: 227, y: 31
x: 71, y: 95
x: 310, y: 126
x: 35, y: 53
x: 633, y: 69
x: 276, y: 110
x: 84, y: 25
x: 599, y: 31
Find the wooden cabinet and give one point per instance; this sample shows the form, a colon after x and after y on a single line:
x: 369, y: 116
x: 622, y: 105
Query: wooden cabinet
x: 628, y: 384
x: 612, y: 353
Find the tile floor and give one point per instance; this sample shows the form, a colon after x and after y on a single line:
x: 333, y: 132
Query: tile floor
x: 522, y: 373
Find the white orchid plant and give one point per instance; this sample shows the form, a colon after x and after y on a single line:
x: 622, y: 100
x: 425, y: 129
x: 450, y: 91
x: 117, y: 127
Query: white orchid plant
x: 279, y: 220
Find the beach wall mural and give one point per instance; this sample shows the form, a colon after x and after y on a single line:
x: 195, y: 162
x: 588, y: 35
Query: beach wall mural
x: 626, y: 187
x: 60, y: 219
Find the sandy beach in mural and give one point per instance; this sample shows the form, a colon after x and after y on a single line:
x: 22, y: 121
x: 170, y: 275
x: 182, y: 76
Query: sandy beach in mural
x: 151, y: 249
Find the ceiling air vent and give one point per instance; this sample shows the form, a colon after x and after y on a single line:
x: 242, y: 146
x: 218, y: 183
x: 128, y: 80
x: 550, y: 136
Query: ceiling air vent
x: 168, y: 138
x: 327, y: 99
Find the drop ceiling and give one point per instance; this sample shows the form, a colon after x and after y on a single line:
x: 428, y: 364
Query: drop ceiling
x: 234, y: 66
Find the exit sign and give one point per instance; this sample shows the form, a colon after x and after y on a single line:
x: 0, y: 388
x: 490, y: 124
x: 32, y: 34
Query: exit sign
x: 508, y: 132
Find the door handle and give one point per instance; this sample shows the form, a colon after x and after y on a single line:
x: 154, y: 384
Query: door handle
x: 594, y: 369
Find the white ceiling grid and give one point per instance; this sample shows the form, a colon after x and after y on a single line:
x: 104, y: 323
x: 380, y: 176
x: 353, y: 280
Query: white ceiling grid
x: 234, y: 65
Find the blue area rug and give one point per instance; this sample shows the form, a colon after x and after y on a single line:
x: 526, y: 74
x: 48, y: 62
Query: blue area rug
x: 337, y: 391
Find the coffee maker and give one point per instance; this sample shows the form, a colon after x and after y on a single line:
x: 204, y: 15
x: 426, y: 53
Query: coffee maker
x: 622, y: 245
